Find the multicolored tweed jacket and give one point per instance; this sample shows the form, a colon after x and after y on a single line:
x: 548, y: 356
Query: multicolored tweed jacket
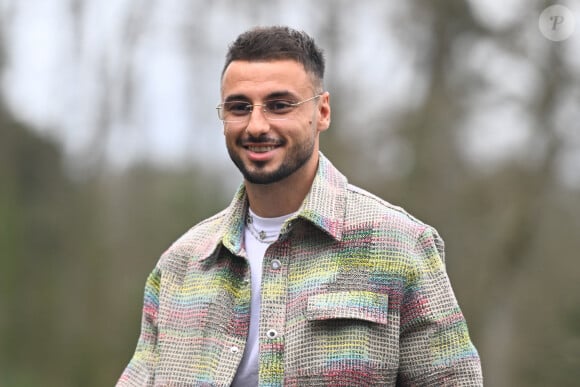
x: 358, y: 296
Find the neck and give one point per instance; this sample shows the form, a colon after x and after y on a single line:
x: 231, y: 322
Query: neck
x: 283, y: 197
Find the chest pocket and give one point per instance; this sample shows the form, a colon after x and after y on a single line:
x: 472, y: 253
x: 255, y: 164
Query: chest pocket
x: 344, y: 340
x: 358, y: 305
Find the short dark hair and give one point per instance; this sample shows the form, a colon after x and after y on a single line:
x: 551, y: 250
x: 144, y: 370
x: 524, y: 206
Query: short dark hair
x: 278, y: 43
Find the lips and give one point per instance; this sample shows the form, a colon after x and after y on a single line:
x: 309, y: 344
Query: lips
x: 260, y: 148
x: 260, y: 153
x: 260, y: 144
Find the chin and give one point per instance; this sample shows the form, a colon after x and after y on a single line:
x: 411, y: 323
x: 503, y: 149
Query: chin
x: 263, y: 178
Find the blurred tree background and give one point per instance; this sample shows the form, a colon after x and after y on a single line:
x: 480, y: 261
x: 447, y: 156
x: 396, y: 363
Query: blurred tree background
x: 459, y: 111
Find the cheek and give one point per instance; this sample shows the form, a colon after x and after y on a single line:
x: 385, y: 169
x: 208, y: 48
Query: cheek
x: 228, y: 133
x: 228, y: 137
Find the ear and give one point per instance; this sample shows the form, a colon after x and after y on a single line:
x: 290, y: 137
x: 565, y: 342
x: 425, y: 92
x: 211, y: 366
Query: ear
x: 324, y: 112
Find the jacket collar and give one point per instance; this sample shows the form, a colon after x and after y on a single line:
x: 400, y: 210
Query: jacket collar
x: 324, y: 207
x: 325, y: 204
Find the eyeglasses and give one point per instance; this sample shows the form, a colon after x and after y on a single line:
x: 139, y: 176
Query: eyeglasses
x: 273, y: 109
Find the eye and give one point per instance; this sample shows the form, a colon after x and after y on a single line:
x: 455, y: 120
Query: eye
x: 279, y: 106
x: 238, y: 108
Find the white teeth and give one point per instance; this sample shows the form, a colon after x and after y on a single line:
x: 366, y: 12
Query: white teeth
x: 260, y: 149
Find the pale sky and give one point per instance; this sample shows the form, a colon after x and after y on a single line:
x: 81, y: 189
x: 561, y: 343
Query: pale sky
x: 56, y: 71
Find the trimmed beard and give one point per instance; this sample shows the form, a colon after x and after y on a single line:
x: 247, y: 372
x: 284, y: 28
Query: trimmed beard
x: 295, y: 159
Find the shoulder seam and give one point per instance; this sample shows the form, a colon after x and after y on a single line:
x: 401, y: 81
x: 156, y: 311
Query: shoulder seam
x: 360, y: 191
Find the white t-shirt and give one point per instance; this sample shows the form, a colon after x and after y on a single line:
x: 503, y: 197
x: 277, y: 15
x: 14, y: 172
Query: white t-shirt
x: 247, y: 375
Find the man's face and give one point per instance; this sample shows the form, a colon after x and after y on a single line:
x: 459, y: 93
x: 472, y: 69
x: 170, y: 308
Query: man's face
x: 265, y: 150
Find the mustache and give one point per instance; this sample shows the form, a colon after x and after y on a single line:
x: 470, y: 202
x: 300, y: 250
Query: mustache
x: 263, y: 139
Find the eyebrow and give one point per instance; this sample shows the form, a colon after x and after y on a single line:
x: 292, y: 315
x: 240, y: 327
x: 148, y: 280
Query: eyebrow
x: 274, y: 95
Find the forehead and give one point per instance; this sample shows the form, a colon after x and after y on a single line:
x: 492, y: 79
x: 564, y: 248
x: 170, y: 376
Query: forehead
x: 258, y: 79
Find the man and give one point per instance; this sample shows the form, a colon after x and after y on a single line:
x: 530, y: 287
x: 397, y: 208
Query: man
x: 304, y: 280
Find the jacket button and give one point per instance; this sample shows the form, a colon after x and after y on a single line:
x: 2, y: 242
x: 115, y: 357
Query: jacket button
x: 234, y: 349
x: 276, y: 264
x: 272, y: 334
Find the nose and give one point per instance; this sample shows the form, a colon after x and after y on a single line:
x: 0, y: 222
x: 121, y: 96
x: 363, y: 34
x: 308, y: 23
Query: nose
x: 257, y: 122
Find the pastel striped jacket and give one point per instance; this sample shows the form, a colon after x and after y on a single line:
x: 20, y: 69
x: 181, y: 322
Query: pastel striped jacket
x: 359, y: 296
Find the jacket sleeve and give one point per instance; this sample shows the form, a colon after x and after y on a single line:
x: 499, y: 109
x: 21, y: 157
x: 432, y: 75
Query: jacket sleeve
x: 435, y: 347
x: 141, y: 369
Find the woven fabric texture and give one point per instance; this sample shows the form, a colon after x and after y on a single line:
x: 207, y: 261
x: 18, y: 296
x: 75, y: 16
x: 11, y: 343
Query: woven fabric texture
x: 361, y: 298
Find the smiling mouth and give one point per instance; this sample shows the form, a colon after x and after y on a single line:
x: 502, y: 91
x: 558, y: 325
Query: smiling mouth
x: 261, y: 148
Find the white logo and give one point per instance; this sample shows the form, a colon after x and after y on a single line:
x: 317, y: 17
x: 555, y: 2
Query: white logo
x: 557, y: 23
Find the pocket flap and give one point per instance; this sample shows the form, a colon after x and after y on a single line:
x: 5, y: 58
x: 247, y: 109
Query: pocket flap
x: 360, y: 305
